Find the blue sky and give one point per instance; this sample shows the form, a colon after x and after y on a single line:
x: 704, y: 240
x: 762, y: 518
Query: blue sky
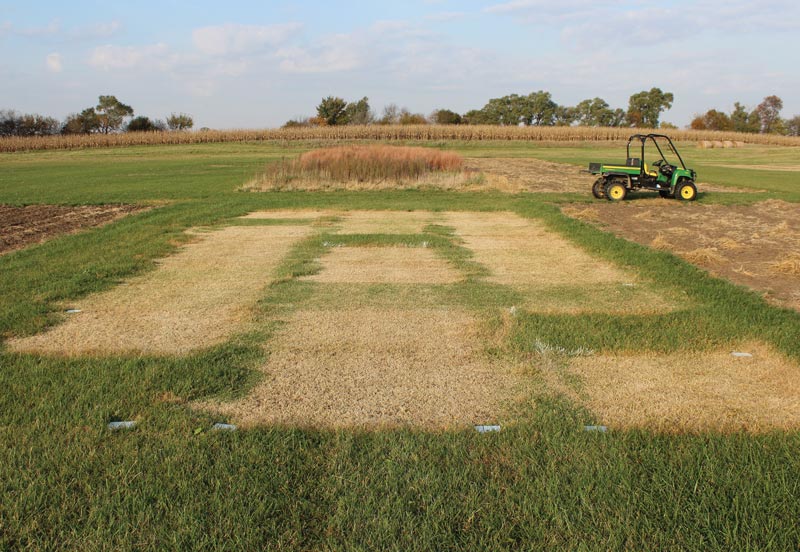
x: 257, y: 64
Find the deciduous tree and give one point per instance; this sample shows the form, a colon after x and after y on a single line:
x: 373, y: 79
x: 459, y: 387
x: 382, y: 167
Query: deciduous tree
x: 645, y: 107
x: 111, y: 113
x: 359, y: 113
x: 180, y: 121
x: 332, y: 111
x: 769, y: 114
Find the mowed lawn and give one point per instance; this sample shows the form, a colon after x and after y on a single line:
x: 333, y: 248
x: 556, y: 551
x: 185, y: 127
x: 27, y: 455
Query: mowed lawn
x: 170, y: 483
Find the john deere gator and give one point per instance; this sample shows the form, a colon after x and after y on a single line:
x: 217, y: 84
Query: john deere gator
x: 667, y: 174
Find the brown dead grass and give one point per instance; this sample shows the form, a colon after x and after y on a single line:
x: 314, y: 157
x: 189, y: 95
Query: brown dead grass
x: 289, y: 214
x: 374, y: 368
x: 790, y: 265
x: 365, y: 167
x: 194, y: 299
x: 386, y: 222
x: 384, y: 265
x: 751, y: 245
x: 693, y: 392
x: 704, y: 256
x: 521, y: 251
x: 531, y: 175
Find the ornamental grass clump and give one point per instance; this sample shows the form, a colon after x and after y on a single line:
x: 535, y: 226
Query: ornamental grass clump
x: 366, y: 167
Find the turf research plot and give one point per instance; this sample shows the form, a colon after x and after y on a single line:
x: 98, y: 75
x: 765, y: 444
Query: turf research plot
x: 194, y: 299
x: 368, y: 367
x: 693, y: 392
x: 384, y: 265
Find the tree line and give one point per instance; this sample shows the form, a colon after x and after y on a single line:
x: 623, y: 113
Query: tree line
x: 539, y: 109
x: 764, y: 119
x: 109, y: 116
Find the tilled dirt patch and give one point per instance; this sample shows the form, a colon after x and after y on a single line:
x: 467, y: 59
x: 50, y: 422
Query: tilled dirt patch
x: 693, y: 392
x: 374, y: 368
x: 753, y: 245
x: 196, y: 298
x: 24, y: 226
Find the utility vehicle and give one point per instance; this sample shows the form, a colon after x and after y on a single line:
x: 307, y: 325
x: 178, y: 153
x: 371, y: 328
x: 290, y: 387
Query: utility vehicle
x: 669, y: 177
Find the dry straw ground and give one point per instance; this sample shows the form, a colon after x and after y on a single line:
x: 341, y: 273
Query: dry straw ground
x: 196, y: 298
x: 753, y: 245
x: 531, y: 175
x: 521, y: 251
x: 386, y: 222
x: 384, y: 265
x: 692, y: 392
x: 374, y: 368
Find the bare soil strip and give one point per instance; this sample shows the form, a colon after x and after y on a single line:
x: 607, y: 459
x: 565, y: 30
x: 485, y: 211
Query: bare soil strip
x: 385, y: 265
x: 196, y: 298
x: 751, y: 245
x: 693, y: 392
x: 24, y: 226
x: 520, y: 251
x: 374, y: 368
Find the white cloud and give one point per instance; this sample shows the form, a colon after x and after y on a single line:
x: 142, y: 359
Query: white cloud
x: 54, y: 62
x: 126, y: 57
x: 231, y: 38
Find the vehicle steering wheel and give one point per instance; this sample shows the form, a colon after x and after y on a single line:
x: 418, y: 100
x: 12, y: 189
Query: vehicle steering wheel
x: 666, y: 169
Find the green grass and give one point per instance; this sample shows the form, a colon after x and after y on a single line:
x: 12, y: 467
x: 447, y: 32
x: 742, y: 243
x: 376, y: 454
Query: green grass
x: 69, y: 483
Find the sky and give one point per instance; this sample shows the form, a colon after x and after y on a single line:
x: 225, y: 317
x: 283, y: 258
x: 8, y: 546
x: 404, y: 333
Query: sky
x: 257, y: 64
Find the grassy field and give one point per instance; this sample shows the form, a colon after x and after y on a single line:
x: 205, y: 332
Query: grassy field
x: 70, y: 483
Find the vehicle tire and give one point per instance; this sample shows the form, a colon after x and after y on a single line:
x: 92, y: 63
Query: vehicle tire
x: 615, y: 190
x: 665, y: 194
x: 598, y: 188
x: 686, y: 190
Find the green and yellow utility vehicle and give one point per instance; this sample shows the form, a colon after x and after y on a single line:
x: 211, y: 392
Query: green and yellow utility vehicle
x: 667, y: 175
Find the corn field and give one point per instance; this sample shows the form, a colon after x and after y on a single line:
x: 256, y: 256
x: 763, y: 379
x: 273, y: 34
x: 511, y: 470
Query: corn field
x: 382, y: 133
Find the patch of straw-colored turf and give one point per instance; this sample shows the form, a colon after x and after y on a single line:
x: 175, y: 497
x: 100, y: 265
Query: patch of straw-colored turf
x: 374, y: 368
x: 687, y: 392
x: 194, y: 299
x: 520, y: 251
x: 515, y: 175
x: 290, y: 214
x: 386, y: 222
x: 384, y: 265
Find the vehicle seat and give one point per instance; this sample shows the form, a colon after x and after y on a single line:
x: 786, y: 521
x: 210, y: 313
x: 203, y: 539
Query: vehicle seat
x: 649, y: 172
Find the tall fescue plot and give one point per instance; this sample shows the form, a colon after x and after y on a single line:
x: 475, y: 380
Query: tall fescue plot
x: 384, y: 132
x: 358, y: 167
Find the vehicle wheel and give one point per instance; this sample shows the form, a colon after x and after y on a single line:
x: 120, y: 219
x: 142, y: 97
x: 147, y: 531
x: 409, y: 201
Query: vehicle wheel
x: 598, y: 188
x: 686, y: 190
x: 665, y: 194
x: 615, y: 190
